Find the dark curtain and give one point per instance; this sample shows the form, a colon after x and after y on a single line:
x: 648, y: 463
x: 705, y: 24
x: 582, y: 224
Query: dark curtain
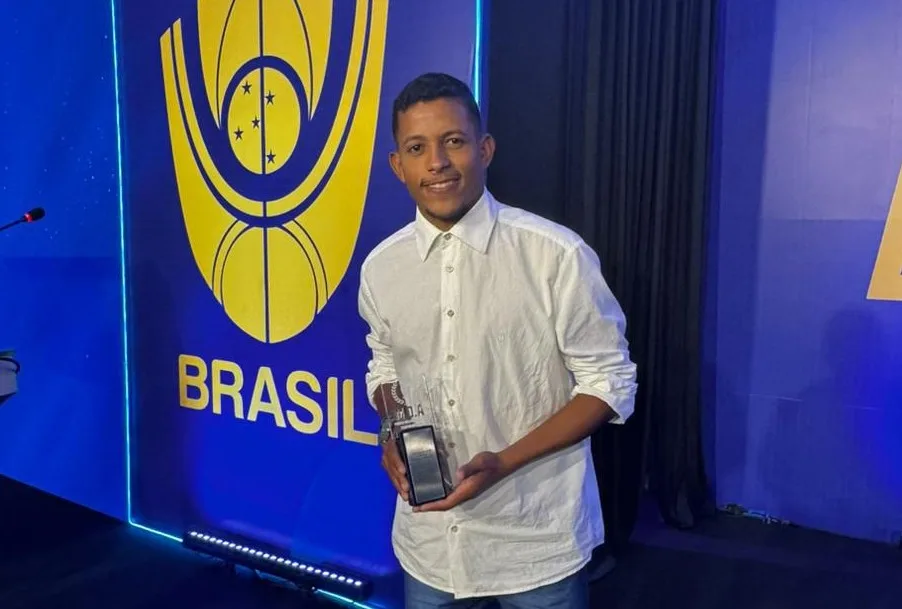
x: 602, y: 113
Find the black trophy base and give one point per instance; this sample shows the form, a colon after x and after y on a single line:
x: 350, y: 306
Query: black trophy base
x: 419, y: 453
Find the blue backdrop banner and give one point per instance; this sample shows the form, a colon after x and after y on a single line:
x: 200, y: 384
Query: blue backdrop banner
x: 805, y: 309
x: 256, y: 141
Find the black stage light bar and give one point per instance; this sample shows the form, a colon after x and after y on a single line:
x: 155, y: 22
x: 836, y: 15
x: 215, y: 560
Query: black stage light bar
x: 334, y: 580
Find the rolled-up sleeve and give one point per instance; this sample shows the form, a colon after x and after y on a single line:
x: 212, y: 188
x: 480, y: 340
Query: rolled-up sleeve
x: 590, y: 327
x: 381, y: 367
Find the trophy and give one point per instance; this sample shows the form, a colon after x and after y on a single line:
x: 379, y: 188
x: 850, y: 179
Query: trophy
x: 419, y: 429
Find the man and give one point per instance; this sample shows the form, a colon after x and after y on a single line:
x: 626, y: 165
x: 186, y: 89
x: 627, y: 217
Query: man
x: 512, y: 313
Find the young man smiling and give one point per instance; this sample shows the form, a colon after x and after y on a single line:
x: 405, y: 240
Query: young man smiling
x: 512, y: 313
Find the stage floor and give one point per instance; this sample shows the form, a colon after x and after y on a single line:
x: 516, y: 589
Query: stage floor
x: 54, y: 554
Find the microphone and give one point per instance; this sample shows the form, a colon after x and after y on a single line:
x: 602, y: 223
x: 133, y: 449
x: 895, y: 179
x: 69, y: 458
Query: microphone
x: 30, y: 216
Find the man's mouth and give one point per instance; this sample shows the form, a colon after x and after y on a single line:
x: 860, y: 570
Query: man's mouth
x: 443, y: 185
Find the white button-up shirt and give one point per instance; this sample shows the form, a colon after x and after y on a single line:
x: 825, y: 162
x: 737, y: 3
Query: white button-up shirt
x: 512, y: 313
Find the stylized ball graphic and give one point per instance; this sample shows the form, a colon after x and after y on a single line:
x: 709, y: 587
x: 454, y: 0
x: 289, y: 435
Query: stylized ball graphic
x: 271, y: 281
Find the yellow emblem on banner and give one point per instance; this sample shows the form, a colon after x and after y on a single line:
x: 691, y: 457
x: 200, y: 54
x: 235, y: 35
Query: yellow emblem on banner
x: 886, y: 280
x: 272, y: 146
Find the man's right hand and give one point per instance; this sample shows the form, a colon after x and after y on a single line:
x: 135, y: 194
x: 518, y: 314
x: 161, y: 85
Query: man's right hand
x: 394, y: 466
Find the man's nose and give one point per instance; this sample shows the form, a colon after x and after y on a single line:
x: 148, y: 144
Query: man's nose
x: 438, y: 158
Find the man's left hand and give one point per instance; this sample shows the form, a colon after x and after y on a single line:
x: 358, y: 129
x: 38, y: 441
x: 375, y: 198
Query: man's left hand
x: 483, y: 470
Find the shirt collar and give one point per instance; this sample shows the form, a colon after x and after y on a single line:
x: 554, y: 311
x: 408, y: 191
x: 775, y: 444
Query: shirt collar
x: 474, y: 229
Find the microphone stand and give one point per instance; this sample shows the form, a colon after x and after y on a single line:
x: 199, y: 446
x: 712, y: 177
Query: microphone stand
x: 12, y: 224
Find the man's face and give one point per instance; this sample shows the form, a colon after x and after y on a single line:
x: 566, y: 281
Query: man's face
x: 441, y: 158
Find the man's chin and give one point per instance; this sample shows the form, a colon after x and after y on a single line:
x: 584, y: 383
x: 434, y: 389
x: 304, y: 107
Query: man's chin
x: 448, y: 213
x: 443, y: 207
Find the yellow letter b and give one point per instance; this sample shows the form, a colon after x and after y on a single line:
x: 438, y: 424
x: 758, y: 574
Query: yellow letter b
x: 198, y: 381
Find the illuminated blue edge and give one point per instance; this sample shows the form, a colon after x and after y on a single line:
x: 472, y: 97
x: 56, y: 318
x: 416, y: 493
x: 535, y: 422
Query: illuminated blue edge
x: 126, y: 380
x: 477, y: 92
x: 477, y: 59
x: 123, y: 270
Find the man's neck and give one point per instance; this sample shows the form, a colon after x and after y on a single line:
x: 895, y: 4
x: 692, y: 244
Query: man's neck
x: 446, y: 224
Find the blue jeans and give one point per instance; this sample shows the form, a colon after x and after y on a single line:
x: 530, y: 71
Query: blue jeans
x: 569, y: 593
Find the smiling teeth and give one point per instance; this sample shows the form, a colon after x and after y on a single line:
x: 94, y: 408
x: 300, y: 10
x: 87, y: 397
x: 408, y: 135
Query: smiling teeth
x: 442, y: 185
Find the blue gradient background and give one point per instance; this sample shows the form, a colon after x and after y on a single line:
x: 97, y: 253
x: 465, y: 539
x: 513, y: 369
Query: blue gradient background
x: 60, y: 305
x: 808, y: 404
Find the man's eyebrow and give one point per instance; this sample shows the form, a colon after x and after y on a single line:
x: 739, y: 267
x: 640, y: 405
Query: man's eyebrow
x: 411, y: 138
x: 419, y: 138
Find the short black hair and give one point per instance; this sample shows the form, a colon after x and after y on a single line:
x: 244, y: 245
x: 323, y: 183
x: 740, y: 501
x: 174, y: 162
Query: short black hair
x: 432, y: 86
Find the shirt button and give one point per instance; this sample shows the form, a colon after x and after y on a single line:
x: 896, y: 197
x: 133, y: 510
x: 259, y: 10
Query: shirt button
x: 451, y: 358
x: 451, y: 402
x: 449, y: 268
x: 454, y: 529
x: 447, y: 236
x: 451, y: 313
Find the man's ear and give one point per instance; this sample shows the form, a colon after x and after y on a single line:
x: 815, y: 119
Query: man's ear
x: 487, y: 149
x: 394, y: 159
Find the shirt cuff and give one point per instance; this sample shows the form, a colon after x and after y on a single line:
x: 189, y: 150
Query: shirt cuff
x: 621, y: 405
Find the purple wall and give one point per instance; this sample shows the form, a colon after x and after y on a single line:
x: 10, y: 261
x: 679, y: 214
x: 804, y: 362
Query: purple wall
x: 807, y: 391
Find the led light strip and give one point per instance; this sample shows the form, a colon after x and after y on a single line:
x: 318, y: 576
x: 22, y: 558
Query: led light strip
x: 284, y: 567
